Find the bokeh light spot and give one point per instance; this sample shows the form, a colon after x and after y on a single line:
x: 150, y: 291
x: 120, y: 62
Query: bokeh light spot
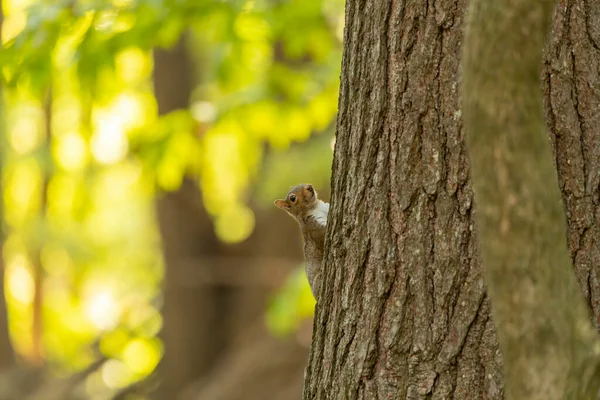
x: 235, y: 224
x: 203, y: 111
x: 132, y: 65
x: 109, y: 142
x: 24, y: 135
x: 103, y: 310
x: 20, y: 195
x: 115, y: 374
x: 251, y: 27
x: 14, y: 23
x: 71, y: 151
x: 130, y: 111
x: 20, y: 280
x: 142, y: 355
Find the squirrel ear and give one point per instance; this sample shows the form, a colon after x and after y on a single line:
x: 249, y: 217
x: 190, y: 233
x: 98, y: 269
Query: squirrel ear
x: 282, y: 204
x: 309, y: 191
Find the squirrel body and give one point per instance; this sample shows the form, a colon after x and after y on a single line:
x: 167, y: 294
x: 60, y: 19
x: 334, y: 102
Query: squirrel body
x: 311, y: 213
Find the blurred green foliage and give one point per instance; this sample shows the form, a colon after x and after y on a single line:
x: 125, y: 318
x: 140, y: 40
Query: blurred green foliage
x: 291, y: 305
x: 85, y: 153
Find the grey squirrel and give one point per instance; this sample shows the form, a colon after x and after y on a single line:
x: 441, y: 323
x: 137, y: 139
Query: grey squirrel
x: 303, y: 204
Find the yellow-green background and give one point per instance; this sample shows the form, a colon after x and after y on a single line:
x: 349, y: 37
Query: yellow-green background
x: 79, y: 194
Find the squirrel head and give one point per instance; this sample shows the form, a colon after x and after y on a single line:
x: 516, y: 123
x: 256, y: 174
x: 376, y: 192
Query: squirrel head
x: 299, y: 200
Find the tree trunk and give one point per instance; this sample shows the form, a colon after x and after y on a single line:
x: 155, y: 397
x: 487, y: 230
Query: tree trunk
x: 571, y: 84
x: 549, y: 348
x: 191, y: 331
x: 213, y: 291
x: 36, y: 357
x: 404, y: 311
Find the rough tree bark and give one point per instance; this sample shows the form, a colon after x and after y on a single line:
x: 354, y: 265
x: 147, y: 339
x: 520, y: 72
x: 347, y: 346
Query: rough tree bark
x: 549, y: 348
x: 571, y: 83
x: 404, y: 311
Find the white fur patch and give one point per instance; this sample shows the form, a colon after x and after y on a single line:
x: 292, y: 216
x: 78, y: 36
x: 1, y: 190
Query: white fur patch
x: 319, y: 212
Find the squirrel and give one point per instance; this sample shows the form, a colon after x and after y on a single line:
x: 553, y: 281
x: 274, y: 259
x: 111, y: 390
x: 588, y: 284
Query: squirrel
x: 303, y: 204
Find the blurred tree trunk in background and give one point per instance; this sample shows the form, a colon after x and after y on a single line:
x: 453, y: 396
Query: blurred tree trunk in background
x: 193, y: 331
x: 404, y: 311
x: 549, y: 348
x: 7, y: 356
x: 213, y: 292
x: 37, y: 326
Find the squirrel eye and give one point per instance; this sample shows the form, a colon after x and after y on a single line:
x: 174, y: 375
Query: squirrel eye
x: 292, y: 198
